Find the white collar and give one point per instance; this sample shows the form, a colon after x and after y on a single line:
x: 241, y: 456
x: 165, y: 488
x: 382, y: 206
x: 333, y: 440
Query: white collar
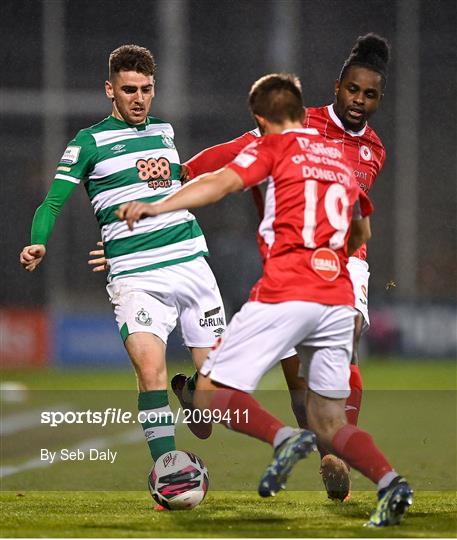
x: 306, y: 131
x: 338, y: 122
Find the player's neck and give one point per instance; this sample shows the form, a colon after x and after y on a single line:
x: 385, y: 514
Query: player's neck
x: 283, y: 126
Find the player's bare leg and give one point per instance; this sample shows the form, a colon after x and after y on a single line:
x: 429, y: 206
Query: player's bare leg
x: 335, y: 473
x: 147, y: 353
x: 354, y: 400
x: 327, y: 419
x: 297, y: 388
x: 184, y: 388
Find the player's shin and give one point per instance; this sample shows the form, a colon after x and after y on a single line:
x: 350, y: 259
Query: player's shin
x: 241, y: 412
x: 157, y: 421
x: 358, y: 449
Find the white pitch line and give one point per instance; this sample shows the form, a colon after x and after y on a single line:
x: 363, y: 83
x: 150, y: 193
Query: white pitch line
x: 128, y: 437
x: 17, y: 422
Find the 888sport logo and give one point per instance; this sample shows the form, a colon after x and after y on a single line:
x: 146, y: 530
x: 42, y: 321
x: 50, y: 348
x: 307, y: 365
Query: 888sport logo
x: 156, y: 172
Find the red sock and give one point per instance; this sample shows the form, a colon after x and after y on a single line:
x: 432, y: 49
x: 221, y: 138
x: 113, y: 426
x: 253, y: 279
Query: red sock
x: 354, y: 400
x: 244, y: 414
x: 359, y: 450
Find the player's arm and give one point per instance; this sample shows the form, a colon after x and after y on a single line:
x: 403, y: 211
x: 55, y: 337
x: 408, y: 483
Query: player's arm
x: 201, y: 191
x: 43, y: 223
x: 360, y: 231
x: 76, y: 161
x: 217, y: 156
x: 249, y: 168
x: 359, y: 235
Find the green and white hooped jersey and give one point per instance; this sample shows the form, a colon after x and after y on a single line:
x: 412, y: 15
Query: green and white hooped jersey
x: 119, y: 163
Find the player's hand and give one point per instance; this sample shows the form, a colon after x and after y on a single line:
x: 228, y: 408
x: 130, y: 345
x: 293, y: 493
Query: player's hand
x: 132, y: 212
x: 99, y: 263
x: 185, y: 175
x: 31, y: 256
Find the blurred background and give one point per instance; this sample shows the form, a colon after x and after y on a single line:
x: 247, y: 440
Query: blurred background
x: 54, y: 61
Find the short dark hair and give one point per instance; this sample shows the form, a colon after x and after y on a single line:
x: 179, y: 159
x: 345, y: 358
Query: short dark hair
x: 131, y: 58
x: 370, y: 51
x: 277, y: 97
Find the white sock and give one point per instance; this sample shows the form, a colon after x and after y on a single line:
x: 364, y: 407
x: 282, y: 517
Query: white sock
x: 282, y: 434
x: 387, y: 479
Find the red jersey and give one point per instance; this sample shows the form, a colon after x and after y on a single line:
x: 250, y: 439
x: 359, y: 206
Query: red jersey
x: 363, y: 149
x: 309, y: 203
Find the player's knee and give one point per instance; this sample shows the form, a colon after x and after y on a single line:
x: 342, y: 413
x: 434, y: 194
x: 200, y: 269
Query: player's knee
x: 325, y: 426
x: 151, y: 377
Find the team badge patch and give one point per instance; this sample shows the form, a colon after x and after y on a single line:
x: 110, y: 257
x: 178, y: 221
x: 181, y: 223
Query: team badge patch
x: 71, y: 155
x: 167, y: 141
x: 365, y: 153
x: 142, y: 317
x: 326, y: 264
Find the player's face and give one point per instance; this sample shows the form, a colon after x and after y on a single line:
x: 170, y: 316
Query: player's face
x: 132, y: 94
x: 357, y: 96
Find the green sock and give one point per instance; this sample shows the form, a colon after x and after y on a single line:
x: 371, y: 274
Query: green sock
x: 158, y: 424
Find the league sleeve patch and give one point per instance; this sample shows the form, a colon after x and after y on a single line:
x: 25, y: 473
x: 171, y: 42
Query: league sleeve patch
x: 244, y: 160
x: 71, y: 155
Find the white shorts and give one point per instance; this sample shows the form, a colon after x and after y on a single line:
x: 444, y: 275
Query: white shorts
x: 359, y: 274
x: 260, y: 334
x: 153, y: 302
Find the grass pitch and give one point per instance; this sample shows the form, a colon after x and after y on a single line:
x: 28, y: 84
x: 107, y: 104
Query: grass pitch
x: 414, y: 421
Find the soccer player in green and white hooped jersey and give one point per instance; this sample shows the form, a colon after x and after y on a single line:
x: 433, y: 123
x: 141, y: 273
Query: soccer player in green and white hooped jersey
x: 157, y: 272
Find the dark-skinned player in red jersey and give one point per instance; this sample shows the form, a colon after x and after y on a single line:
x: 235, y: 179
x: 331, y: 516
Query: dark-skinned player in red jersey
x: 358, y: 93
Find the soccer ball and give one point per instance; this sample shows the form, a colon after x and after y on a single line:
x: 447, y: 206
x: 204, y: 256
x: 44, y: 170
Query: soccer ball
x: 178, y: 480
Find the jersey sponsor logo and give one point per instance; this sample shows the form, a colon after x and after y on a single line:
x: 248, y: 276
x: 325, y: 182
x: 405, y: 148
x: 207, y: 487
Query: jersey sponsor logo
x: 64, y: 169
x: 326, y: 264
x: 365, y: 153
x: 118, y: 148
x: 212, y: 321
x: 167, y: 141
x: 71, y: 155
x: 245, y: 160
x: 156, y: 172
x: 142, y: 317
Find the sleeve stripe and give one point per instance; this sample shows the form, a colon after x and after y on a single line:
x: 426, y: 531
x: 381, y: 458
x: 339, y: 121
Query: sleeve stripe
x: 66, y: 177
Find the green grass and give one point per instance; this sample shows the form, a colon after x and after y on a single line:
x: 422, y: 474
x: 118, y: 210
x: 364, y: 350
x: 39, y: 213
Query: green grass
x: 414, y: 423
x: 299, y: 514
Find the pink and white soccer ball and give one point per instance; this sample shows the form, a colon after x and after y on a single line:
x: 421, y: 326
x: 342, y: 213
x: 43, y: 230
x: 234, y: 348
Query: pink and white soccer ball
x: 179, y: 480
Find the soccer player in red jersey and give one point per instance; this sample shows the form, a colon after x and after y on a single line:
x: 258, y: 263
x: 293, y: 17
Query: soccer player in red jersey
x: 358, y: 93
x: 315, y: 216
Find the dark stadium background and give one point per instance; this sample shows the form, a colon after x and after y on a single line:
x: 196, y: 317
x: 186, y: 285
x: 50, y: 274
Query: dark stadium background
x: 54, y: 63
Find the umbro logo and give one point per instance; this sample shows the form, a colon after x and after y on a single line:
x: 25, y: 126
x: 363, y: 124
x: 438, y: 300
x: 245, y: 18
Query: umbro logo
x: 117, y: 148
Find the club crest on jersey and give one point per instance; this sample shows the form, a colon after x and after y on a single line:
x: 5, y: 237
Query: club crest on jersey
x: 71, y: 155
x: 142, y: 317
x: 365, y: 153
x: 326, y: 264
x: 167, y: 141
